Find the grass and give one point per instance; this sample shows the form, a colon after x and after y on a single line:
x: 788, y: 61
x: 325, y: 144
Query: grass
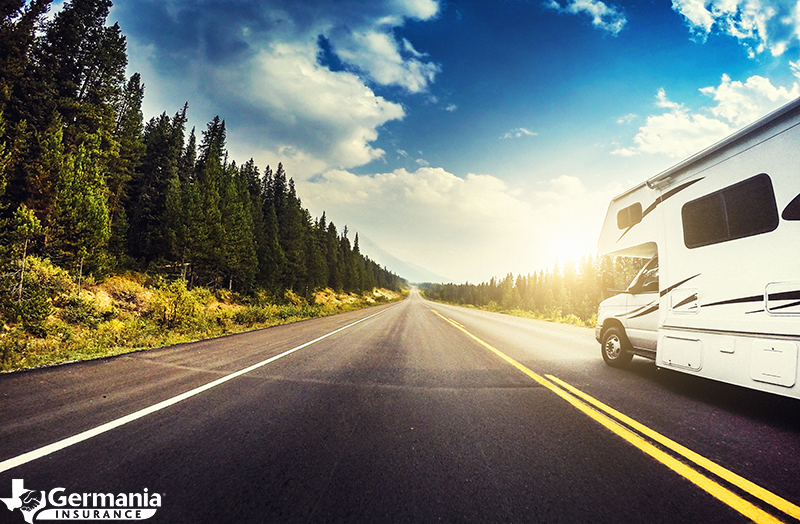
x: 134, y: 312
x: 551, y: 315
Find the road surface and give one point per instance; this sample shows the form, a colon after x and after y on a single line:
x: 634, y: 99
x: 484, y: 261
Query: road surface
x: 408, y: 412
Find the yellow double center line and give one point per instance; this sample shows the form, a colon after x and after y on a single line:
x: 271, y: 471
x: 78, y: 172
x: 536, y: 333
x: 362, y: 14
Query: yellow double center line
x: 634, y: 433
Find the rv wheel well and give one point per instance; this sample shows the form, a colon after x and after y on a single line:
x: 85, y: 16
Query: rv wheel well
x: 611, y: 322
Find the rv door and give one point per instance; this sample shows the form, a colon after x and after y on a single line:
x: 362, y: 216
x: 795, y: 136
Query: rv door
x: 643, y: 301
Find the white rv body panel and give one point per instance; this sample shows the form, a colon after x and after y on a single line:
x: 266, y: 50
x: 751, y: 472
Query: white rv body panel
x: 729, y: 306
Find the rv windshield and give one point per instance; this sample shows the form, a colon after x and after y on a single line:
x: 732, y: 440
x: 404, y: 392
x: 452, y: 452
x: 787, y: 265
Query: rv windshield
x: 647, y: 279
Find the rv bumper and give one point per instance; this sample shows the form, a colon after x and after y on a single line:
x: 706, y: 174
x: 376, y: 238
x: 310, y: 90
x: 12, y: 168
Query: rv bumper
x: 598, y: 329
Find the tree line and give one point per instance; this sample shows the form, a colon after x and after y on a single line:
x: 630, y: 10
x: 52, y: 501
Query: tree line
x: 569, y: 289
x: 85, y: 182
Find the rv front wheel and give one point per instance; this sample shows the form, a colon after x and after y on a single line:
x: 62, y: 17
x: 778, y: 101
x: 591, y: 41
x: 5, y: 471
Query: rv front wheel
x: 616, y: 348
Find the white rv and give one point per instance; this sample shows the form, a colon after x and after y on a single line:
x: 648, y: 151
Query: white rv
x: 720, y: 297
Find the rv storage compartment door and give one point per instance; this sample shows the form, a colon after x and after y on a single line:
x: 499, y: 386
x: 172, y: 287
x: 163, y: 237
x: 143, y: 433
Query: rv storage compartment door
x: 685, y: 353
x: 774, y: 362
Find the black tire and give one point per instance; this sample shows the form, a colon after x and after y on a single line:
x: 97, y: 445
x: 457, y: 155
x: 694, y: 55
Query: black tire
x: 615, y: 348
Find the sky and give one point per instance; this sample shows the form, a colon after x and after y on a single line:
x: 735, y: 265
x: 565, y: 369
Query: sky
x: 469, y: 138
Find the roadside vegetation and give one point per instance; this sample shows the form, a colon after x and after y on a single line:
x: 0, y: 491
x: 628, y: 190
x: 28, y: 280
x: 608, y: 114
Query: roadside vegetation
x: 118, y: 234
x: 60, y: 320
x: 568, y: 294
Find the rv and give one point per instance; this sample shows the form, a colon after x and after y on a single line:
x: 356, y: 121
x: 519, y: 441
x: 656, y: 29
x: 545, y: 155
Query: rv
x: 720, y: 295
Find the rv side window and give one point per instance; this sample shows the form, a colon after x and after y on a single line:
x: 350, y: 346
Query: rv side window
x: 741, y: 210
x: 792, y: 211
x: 629, y: 216
x: 647, y: 279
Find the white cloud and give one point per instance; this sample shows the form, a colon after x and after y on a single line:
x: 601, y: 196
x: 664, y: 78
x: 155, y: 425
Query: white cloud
x: 604, y: 17
x: 377, y: 53
x: 469, y: 228
x: 518, y: 132
x: 680, y: 132
x: 698, y: 17
x: 312, y: 108
x: 795, y: 66
x: 627, y: 119
x: 744, y: 102
x: 290, y: 78
x: 759, y: 25
x: 624, y: 152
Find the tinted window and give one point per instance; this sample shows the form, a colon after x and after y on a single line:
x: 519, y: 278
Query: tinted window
x: 741, y: 210
x: 792, y: 211
x: 629, y: 216
x: 647, y: 279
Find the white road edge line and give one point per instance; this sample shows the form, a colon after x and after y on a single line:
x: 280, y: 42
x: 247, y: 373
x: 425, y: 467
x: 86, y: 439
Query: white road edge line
x: 108, y: 426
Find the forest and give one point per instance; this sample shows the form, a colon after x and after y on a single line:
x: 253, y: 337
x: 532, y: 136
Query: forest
x: 569, y: 293
x: 90, y: 186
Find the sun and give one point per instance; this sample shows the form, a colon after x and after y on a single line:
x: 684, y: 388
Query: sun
x: 569, y: 247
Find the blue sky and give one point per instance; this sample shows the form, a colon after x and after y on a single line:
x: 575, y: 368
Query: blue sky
x: 471, y: 138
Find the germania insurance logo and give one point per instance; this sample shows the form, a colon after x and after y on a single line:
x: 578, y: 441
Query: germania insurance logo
x: 58, y: 504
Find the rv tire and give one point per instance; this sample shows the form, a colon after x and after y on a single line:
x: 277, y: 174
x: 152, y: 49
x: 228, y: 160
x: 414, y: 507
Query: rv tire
x: 616, y: 348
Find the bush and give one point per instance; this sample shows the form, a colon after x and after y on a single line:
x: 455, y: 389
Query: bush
x: 77, y: 310
x: 42, y: 274
x: 252, y: 315
x: 124, y: 289
x: 290, y: 298
x: 33, y: 310
x: 172, y: 305
x: 13, y: 345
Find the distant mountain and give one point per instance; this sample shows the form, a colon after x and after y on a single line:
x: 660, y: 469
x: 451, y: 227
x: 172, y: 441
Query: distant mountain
x: 411, y: 272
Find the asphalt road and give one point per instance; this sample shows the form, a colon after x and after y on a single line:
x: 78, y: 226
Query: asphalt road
x: 411, y: 412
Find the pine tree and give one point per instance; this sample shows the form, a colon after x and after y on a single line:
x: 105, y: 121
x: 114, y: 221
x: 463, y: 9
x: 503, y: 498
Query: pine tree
x: 333, y: 258
x: 317, y: 268
x: 83, y: 62
x: 128, y: 134
x: 18, y: 25
x: 77, y: 222
x: 210, y: 171
x: 292, y: 229
x: 251, y: 180
x: 273, y: 266
x: 238, y: 245
x: 149, y: 236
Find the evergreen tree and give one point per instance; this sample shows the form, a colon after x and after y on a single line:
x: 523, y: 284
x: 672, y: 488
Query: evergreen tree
x: 292, y: 228
x: 83, y: 64
x: 251, y: 180
x: 317, y: 268
x: 77, y: 221
x: 210, y: 172
x: 20, y: 19
x: 149, y: 236
x: 349, y: 276
x: 333, y: 258
x: 238, y: 245
x: 271, y: 269
x: 128, y: 134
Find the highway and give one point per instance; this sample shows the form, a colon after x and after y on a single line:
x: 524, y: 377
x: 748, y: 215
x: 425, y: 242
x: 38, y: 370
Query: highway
x: 407, y: 412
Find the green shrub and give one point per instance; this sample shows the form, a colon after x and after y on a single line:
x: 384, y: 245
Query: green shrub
x: 290, y: 298
x: 13, y: 346
x: 252, y: 315
x: 77, y: 310
x: 125, y: 289
x: 172, y: 305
